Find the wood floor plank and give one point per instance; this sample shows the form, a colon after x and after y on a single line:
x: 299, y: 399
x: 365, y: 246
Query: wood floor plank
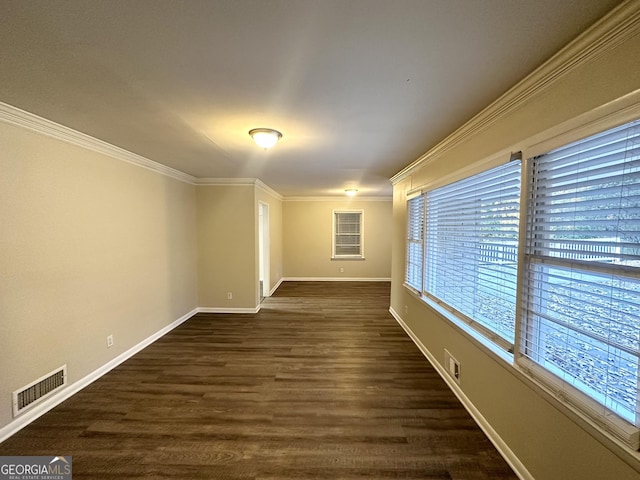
x: 320, y: 384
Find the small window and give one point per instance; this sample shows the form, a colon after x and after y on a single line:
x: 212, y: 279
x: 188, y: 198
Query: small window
x: 347, y: 234
x: 415, y: 243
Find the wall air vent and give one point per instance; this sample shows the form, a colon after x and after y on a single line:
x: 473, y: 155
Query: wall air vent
x: 32, y: 394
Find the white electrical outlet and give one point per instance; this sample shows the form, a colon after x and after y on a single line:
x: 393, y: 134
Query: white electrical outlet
x: 229, y: 295
x: 341, y: 269
x: 109, y: 341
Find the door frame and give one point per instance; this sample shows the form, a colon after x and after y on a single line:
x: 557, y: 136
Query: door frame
x: 263, y: 249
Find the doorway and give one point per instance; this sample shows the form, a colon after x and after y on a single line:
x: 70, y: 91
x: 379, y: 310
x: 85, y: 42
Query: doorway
x: 263, y: 249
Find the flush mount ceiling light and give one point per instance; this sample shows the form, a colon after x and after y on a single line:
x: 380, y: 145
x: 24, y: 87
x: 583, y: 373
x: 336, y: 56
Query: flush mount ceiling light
x: 265, y: 137
x: 351, y: 192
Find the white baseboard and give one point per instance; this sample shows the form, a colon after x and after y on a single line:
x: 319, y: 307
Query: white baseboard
x: 228, y: 309
x: 55, y: 400
x: 278, y: 283
x: 335, y: 279
x: 504, y: 450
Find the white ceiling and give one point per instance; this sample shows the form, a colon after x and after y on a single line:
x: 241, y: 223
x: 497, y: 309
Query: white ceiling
x: 359, y: 88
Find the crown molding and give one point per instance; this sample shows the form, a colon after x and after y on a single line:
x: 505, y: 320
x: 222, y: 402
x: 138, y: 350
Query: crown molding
x: 268, y: 190
x: 35, y: 123
x: 343, y: 198
x: 21, y: 118
x: 237, y: 182
x: 613, y: 29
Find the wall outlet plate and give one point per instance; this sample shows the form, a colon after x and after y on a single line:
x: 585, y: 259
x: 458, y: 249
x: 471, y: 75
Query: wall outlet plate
x: 452, y: 366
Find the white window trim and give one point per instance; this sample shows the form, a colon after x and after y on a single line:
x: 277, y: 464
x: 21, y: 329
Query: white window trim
x: 450, y: 311
x: 410, y: 197
x: 578, y: 402
x: 621, y: 434
x: 333, y: 235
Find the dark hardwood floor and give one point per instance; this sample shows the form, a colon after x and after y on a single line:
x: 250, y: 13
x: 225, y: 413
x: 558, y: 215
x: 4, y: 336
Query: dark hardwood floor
x: 321, y: 384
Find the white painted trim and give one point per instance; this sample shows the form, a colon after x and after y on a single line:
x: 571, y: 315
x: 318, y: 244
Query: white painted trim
x: 229, y: 309
x: 359, y: 256
x: 612, y: 114
x: 494, y: 160
x: 338, y: 199
x: 621, y: 23
x: 267, y: 189
x: 335, y: 279
x: 238, y: 182
x: 21, y: 118
x: 278, y: 283
x: 616, y: 112
x: 514, y: 462
x: 55, y: 400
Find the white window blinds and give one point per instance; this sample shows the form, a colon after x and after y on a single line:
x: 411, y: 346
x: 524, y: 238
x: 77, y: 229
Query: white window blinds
x: 471, y: 248
x: 582, y: 282
x: 347, y: 227
x: 415, y: 237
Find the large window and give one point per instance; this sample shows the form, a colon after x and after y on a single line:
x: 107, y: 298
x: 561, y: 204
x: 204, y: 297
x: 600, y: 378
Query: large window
x: 470, y: 249
x: 564, y: 295
x: 347, y: 234
x: 582, y: 305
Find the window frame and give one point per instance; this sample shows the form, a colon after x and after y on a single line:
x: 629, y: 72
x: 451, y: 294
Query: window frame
x: 334, y: 234
x: 415, y: 201
x: 595, y: 411
x: 609, y: 425
x: 493, y: 175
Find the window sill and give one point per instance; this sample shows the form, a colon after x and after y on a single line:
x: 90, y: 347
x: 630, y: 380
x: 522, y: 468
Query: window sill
x: 465, y: 328
x: 347, y: 258
x: 614, y: 440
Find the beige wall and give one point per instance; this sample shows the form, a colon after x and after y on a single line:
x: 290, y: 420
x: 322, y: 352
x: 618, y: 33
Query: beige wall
x: 92, y: 246
x: 227, y: 246
x: 89, y: 246
x: 307, y: 240
x: 545, y: 438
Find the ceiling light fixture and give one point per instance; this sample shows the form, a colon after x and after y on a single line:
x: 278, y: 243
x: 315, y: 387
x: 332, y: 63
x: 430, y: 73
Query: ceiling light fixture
x: 265, y: 137
x: 351, y: 192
